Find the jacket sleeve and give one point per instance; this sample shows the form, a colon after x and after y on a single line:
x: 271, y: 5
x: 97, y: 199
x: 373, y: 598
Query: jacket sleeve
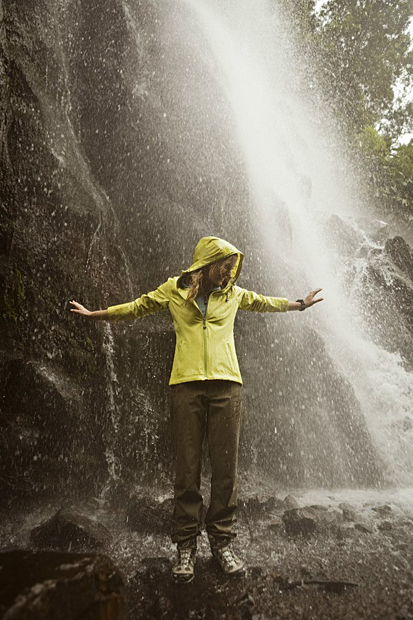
x: 150, y: 303
x: 253, y: 302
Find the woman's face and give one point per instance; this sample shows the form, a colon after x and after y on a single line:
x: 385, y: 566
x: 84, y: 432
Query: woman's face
x: 220, y: 272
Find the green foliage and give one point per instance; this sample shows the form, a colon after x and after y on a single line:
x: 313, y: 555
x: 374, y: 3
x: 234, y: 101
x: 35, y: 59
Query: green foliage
x: 388, y: 173
x: 364, y: 47
x: 301, y: 14
x: 402, y: 174
x: 372, y: 143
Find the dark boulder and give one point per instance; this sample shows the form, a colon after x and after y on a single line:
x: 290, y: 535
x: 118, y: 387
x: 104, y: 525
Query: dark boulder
x: 290, y: 502
x: 70, y: 530
x: 300, y: 521
x: 401, y: 254
x: 59, y: 586
x: 274, y: 505
x: 309, y: 520
x: 349, y: 512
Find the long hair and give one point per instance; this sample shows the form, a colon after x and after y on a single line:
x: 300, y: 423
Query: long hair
x: 209, y: 272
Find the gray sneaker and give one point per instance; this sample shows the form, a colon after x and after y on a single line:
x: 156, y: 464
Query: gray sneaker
x: 226, y: 558
x: 183, y: 569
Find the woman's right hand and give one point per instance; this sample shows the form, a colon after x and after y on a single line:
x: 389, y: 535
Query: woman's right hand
x: 98, y: 315
x: 79, y: 309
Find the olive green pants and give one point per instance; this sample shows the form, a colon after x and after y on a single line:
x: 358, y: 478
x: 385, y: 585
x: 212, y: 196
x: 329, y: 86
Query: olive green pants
x: 212, y: 408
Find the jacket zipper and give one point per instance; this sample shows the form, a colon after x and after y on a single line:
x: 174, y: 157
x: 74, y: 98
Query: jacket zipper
x: 205, y: 336
x: 205, y: 342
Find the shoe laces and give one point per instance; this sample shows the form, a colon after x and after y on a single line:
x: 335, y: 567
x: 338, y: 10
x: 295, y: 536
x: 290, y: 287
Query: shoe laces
x: 185, y: 557
x: 227, y: 555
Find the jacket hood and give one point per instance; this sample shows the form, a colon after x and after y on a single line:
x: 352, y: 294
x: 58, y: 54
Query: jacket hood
x: 211, y: 249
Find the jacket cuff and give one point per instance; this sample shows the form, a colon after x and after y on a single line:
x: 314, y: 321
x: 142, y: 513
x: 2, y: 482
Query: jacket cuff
x: 284, y: 305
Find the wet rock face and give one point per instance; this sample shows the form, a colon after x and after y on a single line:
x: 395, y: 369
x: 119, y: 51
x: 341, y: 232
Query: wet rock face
x: 380, y: 279
x: 39, y: 449
x: 60, y: 243
x: 346, y: 240
x: 390, y: 274
x: 401, y: 254
x: 51, y: 585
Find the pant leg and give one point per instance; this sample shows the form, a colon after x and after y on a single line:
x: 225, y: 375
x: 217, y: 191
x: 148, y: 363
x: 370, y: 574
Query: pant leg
x: 188, y: 411
x: 223, y: 430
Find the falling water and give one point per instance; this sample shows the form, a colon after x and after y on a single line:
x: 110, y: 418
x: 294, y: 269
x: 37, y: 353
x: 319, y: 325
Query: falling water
x: 290, y: 161
x: 112, y: 431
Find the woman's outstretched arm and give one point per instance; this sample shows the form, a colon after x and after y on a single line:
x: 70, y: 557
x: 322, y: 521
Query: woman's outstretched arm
x: 91, y: 314
x: 147, y: 304
x: 254, y: 302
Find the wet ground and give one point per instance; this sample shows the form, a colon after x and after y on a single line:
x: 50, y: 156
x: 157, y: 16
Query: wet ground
x: 377, y: 558
x: 353, y: 568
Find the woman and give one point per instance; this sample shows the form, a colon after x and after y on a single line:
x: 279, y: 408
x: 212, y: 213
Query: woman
x: 205, y: 390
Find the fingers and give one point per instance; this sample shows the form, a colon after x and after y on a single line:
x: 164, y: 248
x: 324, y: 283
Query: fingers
x: 310, y: 301
x: 78, y: 309
x: 313, y: 301
x: 313, y: 293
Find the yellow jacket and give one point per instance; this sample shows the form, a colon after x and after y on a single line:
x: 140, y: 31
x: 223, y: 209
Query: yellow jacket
x: 205, y: 347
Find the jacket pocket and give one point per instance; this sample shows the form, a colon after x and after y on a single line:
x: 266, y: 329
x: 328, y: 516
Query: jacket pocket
x: 231, y: 361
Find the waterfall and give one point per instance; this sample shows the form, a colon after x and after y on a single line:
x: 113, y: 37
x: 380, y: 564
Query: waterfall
x: 292, y: 162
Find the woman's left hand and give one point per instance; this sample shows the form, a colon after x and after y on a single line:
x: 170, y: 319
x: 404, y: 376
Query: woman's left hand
x: 310, y: 301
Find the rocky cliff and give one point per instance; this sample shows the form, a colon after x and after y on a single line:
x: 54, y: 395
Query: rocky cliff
x: 110, y: 175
